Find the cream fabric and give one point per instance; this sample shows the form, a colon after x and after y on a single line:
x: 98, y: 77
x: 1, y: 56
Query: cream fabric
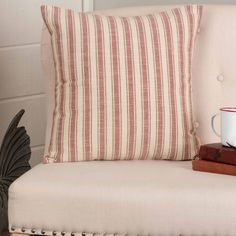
x: 213, y: 68
x: 123, y: 85
x: 129, y: 197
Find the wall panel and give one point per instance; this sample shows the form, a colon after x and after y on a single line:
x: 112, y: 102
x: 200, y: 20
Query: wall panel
x: 21, y: 22
x: 21, y: 72
x: 34, y: 118
x: 104, y: 4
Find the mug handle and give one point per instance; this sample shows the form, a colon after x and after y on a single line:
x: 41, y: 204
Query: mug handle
x: 213, y: 126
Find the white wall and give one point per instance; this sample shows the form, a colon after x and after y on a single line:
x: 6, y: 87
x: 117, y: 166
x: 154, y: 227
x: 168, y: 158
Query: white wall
x: 21, y: 78
x: 106, y: 4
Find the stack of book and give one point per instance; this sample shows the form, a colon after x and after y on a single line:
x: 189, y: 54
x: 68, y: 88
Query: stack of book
x: 216, y: 158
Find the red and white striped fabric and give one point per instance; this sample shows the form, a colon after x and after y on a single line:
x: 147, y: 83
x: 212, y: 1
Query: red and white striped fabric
x: 123, y: 85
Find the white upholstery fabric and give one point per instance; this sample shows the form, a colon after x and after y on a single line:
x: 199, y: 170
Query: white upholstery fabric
x: 138, y: 197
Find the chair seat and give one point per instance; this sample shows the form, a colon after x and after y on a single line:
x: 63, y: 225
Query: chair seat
x: 123, y: 197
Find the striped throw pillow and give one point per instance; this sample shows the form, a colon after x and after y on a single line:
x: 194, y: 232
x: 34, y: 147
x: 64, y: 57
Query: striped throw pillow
x: 123, y: 85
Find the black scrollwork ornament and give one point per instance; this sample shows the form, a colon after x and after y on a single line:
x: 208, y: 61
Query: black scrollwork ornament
x: 15, y: 153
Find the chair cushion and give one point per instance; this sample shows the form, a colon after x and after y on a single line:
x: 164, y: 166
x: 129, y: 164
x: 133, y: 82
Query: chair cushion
x: 123, y: 85
x: 139, y: 197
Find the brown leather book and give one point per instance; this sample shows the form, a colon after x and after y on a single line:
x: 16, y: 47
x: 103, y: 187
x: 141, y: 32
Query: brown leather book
x: 213, y: 167
x: 218, y: 153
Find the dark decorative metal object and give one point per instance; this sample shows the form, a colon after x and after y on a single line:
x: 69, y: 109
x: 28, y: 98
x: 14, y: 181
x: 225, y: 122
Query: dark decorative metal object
x: 15, y: 153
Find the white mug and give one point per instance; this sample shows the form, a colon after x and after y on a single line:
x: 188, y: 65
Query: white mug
x: 228, y: 126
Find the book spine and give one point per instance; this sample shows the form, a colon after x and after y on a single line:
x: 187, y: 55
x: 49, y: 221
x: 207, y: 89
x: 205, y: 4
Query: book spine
x: 217, y: 155
x: 213, y: 167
